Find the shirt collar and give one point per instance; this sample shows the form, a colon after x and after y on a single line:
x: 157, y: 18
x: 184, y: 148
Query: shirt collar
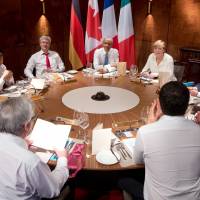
x: 168, y: 117
x: 42, y: 52
x: 14, y: 139
x: 105, y: 51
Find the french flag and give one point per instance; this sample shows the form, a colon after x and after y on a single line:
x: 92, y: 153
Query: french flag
x: 93, y: 34
x: 109, y: 27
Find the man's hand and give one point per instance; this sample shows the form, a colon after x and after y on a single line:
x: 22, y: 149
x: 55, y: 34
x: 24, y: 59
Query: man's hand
x: 61, y: 153
x: 7, y: 74
x: 154, y: 112
x: 102, y: 71
x: 145, y: 74
x: 114, y: 65
x: 193, y: 92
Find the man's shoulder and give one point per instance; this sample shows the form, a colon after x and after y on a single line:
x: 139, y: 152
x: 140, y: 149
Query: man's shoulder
x: 29, y: 158
x: 174, y: 123
x: 99, y: 50
x: 114, y: 50
x: 36, y: 54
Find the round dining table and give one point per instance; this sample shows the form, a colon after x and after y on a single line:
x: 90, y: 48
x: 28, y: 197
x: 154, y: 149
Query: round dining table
x: 51, y: 106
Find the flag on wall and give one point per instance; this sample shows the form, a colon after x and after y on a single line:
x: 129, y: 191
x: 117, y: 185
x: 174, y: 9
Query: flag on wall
x: 76, y: 40
x: 126, y: 37
x: 93, y: 30
x: 109, y: 28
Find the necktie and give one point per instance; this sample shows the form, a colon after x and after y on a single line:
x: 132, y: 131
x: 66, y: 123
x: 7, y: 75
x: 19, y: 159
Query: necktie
x: 47, y: 61
x: 106, y: 59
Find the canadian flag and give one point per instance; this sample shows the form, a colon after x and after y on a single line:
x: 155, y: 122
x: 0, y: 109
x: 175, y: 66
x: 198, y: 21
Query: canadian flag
x: 93, y: 30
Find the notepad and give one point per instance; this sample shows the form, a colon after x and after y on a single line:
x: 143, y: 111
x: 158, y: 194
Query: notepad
x: 48, y: 136
x: 101, y: 140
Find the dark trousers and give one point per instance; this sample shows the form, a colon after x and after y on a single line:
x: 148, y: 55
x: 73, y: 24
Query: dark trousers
x: 133, y: 187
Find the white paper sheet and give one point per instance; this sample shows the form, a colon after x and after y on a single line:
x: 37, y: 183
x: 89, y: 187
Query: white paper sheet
x: 47, y: 135
x: 44, y: 156
x: 101, y: 140
x: 38, y: 83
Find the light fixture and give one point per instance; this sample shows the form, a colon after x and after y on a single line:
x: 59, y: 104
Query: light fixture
x: 43, y: 6
x: 149, y: 9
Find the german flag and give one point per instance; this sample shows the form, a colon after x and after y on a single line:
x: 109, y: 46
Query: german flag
x: 76, y: 40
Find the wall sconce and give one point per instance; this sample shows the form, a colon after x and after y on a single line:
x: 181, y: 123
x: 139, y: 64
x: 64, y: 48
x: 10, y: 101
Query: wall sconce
x: 149, y: 7
x: 43, y: 7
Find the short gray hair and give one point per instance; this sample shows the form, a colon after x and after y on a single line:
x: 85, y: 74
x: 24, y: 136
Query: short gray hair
x: 45, y: 37
x: 14, y: 114
x: 107, y: 39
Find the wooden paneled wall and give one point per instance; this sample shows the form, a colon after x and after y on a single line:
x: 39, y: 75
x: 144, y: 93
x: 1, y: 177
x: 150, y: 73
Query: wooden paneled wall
x: 21, y: 23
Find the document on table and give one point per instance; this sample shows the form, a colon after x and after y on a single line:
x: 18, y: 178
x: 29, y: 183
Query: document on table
x: 38, y: 83
x: 48, y: 136
x: 101, y: 140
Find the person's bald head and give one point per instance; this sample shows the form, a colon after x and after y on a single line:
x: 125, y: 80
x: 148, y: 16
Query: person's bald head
x: 107, y: 43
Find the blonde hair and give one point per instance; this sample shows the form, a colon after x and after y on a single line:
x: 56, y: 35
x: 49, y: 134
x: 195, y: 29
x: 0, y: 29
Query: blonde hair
x: 159, y: 43
x: 45, y: 37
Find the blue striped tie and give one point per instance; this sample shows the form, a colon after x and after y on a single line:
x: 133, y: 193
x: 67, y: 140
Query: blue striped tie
x: 106, y: 59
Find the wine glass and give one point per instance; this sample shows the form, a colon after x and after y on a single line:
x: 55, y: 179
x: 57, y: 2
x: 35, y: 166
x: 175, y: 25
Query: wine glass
x: 133, y: 71
x: 82, y: 120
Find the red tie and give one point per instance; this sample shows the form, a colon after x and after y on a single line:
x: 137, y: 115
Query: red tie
x: 47, y: 61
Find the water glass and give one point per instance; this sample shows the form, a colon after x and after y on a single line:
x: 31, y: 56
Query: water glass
x: 82, y: 120
x: 133, y: 71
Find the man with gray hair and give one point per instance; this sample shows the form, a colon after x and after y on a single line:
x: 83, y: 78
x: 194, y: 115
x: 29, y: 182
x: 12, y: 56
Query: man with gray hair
x: 106, y: 58
x: 23, y: 174
x: 44, y: 60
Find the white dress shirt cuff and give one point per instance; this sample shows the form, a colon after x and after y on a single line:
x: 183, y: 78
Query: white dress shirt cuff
x: 198, y: 94
x: 110, y: 68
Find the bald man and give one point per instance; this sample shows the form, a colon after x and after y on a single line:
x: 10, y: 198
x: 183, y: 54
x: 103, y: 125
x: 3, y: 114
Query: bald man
x: 106, y: 58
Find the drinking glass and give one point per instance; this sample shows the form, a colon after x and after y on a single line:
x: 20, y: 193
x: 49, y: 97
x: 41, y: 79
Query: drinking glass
x: 82, y: 120
x: 133, y: 71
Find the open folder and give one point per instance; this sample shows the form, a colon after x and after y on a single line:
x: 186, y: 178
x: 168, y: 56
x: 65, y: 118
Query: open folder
x: 47, y: 135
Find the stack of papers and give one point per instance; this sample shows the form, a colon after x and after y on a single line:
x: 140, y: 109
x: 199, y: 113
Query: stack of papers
x: 47, y: 135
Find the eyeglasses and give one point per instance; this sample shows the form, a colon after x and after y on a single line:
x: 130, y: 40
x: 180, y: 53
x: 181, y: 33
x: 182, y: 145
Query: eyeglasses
x: 34, y: 117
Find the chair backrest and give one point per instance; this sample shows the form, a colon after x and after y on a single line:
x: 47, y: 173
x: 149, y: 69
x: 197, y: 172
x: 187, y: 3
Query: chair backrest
x: 179, y: 71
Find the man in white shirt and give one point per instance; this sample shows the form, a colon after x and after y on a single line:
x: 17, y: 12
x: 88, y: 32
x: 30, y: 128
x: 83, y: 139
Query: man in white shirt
x: 44, y: 60
x: 169, y: 146
x: 23, y: 174
x: 6, y: 76
x: 106, y: 58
